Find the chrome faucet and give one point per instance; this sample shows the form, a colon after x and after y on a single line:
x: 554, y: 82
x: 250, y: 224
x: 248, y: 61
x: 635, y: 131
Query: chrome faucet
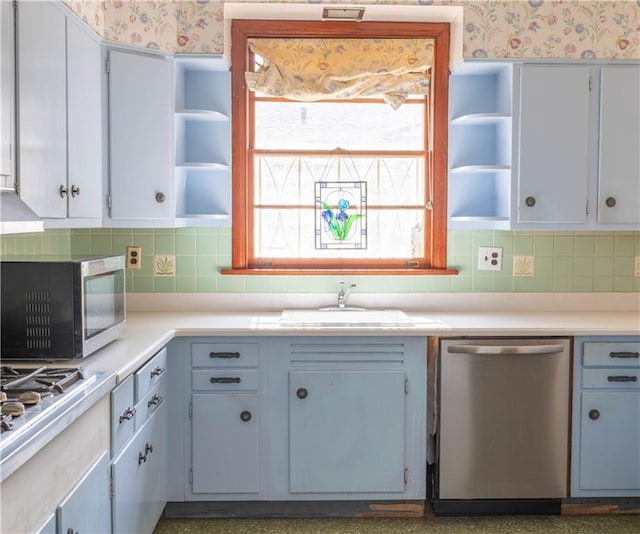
x: 344, y: 295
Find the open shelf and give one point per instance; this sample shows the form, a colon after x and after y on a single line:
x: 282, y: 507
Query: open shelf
x: 202, y: 141
x: 480, y: 133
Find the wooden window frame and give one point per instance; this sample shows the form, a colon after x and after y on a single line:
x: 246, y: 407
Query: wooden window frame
x: 242, y: 164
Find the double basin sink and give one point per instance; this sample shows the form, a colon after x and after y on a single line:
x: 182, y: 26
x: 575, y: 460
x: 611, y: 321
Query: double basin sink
x: 348, y: 316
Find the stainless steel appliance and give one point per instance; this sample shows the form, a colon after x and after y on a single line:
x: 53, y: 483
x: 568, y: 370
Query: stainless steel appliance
x: 503, y: 431
x: 34, y: 401
x: 61, y: 308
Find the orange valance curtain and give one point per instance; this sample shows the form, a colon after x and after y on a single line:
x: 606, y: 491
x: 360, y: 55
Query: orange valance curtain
x: 311, y: 69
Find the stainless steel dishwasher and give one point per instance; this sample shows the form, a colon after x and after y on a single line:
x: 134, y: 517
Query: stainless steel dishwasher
x: 503, y: 432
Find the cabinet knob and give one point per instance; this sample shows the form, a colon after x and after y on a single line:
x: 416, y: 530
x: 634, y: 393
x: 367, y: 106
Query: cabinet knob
x: 245, y: 416
x: 302, y: 393
x: 62, y: 191
x: 610, y: 202
x: 75, y: 190
x: 530, y: 201
x: 71, y: 531
x: 594, y: 414
x: 160, y: 197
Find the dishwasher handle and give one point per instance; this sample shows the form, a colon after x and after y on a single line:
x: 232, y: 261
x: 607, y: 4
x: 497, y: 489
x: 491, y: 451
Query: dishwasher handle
x: 505, y: 349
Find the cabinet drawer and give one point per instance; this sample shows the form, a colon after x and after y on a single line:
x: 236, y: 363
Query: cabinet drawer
x: 122, y: 415
x: 622, y: 354
x: 225, y: 379
x: 224, y: 354
x: 150, y: 373
x: 614, y: 378
x: 146, y: 406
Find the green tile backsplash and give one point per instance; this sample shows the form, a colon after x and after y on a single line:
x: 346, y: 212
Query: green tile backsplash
x: 562, y: 261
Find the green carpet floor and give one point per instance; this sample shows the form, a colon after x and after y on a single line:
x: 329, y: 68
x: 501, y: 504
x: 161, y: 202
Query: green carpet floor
x: 601, y: 524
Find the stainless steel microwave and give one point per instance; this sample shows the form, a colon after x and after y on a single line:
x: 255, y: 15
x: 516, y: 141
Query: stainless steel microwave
x: 61, y: 308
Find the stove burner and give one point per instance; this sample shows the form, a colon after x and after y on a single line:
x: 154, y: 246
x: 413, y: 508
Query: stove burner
x: 28, y: 385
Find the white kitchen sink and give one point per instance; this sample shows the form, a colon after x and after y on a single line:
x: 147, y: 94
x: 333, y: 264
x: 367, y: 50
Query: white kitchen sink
x: 345, y: 317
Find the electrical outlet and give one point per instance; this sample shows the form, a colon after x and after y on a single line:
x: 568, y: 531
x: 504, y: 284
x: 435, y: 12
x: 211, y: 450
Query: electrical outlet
x: 134, y: 257
x: 489, y: 258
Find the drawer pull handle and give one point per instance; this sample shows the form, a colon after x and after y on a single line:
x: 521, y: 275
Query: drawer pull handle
x: 594, y: 414
x: 225, y: 355
x: 142, y: 458
x: 127, y: 415
x: 622, y: 378
x: 245, y: 416
x: 624, y: 355
x: 157, y: 371
x: 148, y: 449
x: 225, y: 379
x: 302, y: 393
x: 154, y: 401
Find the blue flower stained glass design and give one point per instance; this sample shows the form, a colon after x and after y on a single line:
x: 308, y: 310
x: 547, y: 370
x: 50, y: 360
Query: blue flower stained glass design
x: 341, y: 221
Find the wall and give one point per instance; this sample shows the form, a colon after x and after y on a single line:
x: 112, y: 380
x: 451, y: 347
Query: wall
x: 562, y: 261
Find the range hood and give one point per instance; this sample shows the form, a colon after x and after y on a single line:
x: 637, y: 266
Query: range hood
x: 15, y: 216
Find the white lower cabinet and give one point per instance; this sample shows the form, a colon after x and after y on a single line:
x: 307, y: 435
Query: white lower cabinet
x: 86, y: 508
x: 299, y: 419
x: 606, y: 418
x: 140, y: 478
x: 226, y: 443
x: 139, y: 466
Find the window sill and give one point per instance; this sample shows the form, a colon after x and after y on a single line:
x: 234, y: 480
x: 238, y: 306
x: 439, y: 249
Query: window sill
x: 363, y: 272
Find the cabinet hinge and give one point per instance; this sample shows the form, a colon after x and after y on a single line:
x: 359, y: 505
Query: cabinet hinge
x: 406, y: 386
x: 109, y: 201
x: 190, y: 410
x: 190, y: 476
x: 266, y: 264
x: 15, y: 5
x: 412, y: 264
x: 590, y: 83
x: 112, y: 487
x: 107, y: 66
x: 587, y: 208
x: 406, y: 477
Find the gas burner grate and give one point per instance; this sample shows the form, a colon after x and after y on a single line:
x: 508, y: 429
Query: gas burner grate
x: 28, y: 385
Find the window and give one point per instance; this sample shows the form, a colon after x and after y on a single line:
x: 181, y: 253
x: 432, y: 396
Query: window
x: 338, y: 185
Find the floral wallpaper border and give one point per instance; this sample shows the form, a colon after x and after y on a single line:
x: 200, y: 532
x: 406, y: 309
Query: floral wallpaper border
x: 572, y: 29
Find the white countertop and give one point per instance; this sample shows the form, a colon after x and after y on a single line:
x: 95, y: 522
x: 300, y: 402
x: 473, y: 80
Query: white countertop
x: 148, y: 332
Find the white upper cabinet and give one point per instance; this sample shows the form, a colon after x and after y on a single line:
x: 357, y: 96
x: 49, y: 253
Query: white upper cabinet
x: 619, y: 165
x: 6, y: 94
x: 554, y: 163
x: 140, y: 139
x: 59, y: 115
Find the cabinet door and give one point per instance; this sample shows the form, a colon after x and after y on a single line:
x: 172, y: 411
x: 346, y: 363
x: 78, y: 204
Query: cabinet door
x: 84, y: 124
x: 619, y: 173
x: 225, y: 443
x: 6, y: 93
x: 140, y: 477
x: 140, y: 136
x: 553, y: 150
x: 42, y: 109
x: 346, y: 431
x: 609, y: 434
x: 87, y: 509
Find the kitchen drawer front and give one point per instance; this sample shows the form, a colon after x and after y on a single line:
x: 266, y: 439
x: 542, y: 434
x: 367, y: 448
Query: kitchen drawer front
x: 122, y: 414
x: 147, y: 406
x: 224, y: 354
x: 150, y: 374
x: 613, y: 378
x: 621, y: 354
x: 225, y: 379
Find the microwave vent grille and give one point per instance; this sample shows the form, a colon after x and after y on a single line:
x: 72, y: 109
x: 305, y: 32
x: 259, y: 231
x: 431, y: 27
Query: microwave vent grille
x: 38, y: 319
